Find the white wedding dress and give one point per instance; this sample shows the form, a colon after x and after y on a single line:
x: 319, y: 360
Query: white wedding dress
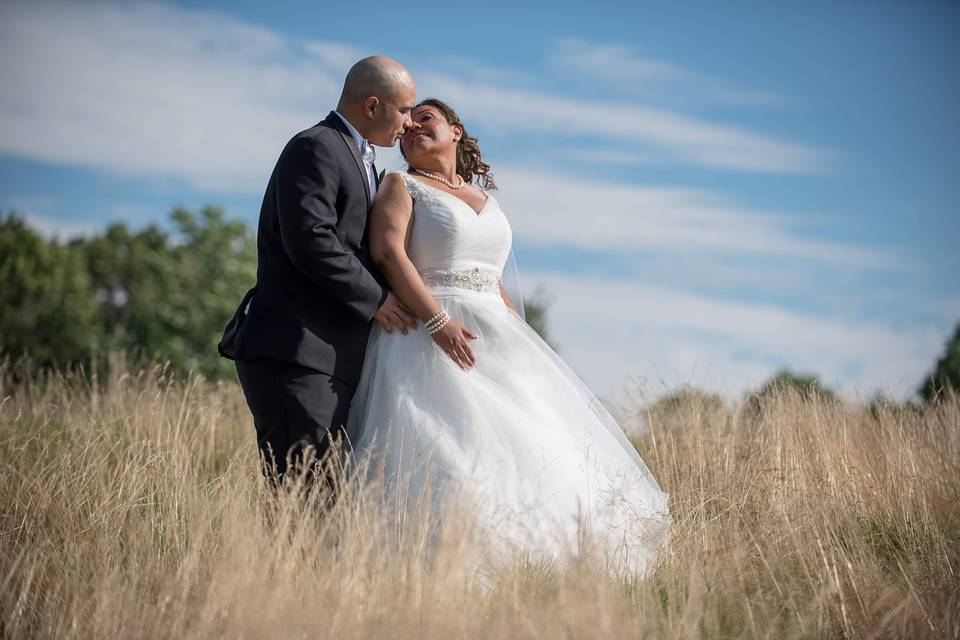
x: 519, y: 431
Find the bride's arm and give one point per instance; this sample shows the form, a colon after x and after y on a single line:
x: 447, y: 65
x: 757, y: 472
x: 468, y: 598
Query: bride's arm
x: 390, y: 227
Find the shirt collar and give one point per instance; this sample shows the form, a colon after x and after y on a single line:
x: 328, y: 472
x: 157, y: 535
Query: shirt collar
x: 361, y: 141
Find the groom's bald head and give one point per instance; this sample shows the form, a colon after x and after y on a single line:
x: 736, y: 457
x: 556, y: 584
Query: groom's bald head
x: 377, y: 76
x: 378, y: 95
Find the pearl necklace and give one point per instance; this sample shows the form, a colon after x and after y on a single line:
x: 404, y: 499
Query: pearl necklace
x: 439, y: 178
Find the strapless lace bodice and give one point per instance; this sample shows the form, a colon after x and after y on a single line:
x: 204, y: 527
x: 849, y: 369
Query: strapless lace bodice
x: 450, y: 240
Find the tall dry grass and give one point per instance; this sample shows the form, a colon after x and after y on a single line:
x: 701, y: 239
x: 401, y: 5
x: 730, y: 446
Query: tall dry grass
x: 132, y: 507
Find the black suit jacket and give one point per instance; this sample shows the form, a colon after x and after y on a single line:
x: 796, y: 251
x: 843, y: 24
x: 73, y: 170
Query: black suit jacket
x: 317, y: 289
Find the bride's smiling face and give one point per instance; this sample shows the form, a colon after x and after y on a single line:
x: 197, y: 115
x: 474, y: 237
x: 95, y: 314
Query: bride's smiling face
x: 430, y: 134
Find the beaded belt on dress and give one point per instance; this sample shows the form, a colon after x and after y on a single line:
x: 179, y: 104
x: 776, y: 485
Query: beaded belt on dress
x: 476, y: 278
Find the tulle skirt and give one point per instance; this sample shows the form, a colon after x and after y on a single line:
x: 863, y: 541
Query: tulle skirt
x: 545, y: 465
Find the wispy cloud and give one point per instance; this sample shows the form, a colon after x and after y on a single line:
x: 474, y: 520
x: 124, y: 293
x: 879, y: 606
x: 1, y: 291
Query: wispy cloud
x: 340, y: 57
x: 146, y: 89
x: 52, y: 227
x: 618, y: 67
x: 609, y: 331
x: 564, y: 209
x: 672, y: 136
x: 203, y: 97
x: 149, y: 89
x: 36, y: 212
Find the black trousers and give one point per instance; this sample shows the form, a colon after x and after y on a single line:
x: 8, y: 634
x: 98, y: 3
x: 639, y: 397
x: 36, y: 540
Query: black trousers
x: 294, y: 407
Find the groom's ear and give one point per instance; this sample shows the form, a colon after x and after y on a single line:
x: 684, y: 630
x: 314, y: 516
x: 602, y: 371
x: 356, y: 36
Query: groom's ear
x: 370, y: 107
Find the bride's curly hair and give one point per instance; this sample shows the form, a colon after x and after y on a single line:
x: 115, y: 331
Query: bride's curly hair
x: 470, y: 163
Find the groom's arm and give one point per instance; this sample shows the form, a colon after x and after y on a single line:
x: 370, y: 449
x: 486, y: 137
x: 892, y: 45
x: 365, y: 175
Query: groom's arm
x: 307, y: 179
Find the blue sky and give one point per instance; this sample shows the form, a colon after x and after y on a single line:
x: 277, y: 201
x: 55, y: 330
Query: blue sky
x: 708, y: 192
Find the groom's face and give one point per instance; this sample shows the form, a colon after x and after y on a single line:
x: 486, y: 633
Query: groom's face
x: 392, y: 117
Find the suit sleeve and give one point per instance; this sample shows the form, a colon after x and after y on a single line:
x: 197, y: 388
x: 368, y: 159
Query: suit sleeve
x: 307, y: 180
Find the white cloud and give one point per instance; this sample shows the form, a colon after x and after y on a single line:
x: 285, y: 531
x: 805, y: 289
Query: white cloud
x: 146, y: 89
x: 155, y: 90
x: 617, y: 66
x: 35, y: 210
x: 556, y: 210
x: 609, y: 331
x: 615, y: 157
x: 339, y: 56
x: 151, y: 89
x: 629, y: 221
x: 675, y: 137
x: 50, y: 227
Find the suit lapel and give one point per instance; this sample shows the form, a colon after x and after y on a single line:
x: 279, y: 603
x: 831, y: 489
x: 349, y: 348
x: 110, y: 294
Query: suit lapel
x: 334, y: 120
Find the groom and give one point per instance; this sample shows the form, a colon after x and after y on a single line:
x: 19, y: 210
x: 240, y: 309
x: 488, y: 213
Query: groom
x: 300, y: 334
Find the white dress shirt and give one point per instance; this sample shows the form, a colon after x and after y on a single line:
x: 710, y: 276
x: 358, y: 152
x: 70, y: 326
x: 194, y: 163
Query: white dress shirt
x: 367, y: 154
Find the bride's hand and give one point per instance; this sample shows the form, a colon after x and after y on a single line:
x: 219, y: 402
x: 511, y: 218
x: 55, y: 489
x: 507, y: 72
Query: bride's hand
x: 453, y: 339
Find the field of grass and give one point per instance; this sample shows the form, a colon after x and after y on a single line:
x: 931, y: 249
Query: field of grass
x: 131, y: 506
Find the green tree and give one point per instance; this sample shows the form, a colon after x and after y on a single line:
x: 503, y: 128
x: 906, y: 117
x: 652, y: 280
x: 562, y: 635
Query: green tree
x: 686, y: 408
x: 168, y: 296
x: 47, y: 307
x: 688, y: 398
x: 806, y: 385
x: 786, y: 382
x: 214, y: 261
x: 946, y: 373
x: 131, y: 275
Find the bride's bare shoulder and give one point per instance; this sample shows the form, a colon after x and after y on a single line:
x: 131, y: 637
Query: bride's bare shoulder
x: 393, y: 192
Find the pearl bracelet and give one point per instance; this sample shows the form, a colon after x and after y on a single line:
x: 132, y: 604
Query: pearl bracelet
x: 434, y: 318
x: 437, y: 322
x: 439, y: 326
x: 441, y: 317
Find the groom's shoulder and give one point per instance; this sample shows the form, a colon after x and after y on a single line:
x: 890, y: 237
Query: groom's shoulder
x: 321, y: 137
x: 324, y: 131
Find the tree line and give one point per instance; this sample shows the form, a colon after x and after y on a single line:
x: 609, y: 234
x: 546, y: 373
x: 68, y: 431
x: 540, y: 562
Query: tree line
x: 152, y: 294
x: 165, y: 295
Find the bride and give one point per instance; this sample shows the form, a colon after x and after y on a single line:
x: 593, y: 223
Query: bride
x: 474, y: 403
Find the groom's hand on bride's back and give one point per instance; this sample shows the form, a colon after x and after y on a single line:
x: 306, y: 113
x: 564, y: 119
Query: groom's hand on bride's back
x: 393, y: 314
